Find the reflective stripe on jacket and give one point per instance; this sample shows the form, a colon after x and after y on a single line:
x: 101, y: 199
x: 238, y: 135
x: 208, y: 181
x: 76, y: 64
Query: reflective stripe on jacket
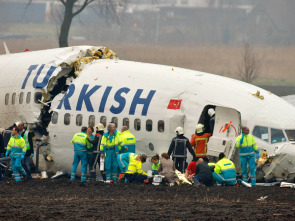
x: 156, y: 166
x: 128, y: 140
x: 200, y: 144
x: 226, y: 168
x: 135, y: 167
x: 248, y: 147
x: 26, y: 138
x: 17, y: 145
x: 109, y: 142
x: 80, y: 142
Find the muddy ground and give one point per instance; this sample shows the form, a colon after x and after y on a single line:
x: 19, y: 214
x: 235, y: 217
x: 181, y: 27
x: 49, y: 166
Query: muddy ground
x: 61, y: 199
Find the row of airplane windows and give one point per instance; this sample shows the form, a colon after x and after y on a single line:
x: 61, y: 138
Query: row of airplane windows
x: 103, y: 120
x: 37, y: 98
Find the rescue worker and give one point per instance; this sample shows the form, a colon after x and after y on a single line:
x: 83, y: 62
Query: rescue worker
x: 211, y: 114
x: 247, y: 152
x: 128, y: 141
x: 124, y: 159
x: 89, y: 152
x: 96, y: 147
x: 156, y: 162
x: 80, y: 147
x: 203, y: 173
x: 225, y: 171
x: 199, y: 142
x: 27, y: 135
x: 2, y: 150
x: 178, y: 149
x: 135, y: 173
x: 109, y: 148
x: 16, y: 148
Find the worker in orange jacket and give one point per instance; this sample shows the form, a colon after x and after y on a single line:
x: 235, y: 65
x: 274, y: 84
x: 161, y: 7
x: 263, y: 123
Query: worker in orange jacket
x: 199, y: 142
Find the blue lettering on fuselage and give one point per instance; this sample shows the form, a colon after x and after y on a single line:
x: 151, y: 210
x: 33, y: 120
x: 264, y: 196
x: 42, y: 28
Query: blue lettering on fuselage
x: 86, y: 93
x: 83, y: 96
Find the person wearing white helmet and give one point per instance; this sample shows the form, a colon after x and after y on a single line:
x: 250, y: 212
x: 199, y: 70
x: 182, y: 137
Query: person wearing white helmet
x: 199, y: 142
x: 95, y: 156
x: 211, y: 114
x: 178, y: 149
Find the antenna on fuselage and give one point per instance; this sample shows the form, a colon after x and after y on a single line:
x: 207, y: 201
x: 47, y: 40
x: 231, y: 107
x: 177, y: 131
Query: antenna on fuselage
x: 6, y: 48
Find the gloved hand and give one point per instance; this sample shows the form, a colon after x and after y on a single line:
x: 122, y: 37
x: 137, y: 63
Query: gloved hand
x: 22, y: 157
x: 242, y: 139
x: 32, y: 155
x: 7, y: 153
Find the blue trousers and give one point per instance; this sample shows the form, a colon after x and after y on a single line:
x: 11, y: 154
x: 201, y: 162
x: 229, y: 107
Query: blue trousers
x: 79, y: 155
x: 89, y: 161
x: 27, y: 166
x: 252, y: 166
x: 111, y: 165
x: 220, y: 179
x: 123, y: 161
x: 17, y: 169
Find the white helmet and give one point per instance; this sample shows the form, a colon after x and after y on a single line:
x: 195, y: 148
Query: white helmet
x: 200, y: 128
x: 99, y: 127
x: 179, y: 130
x: 211, y: 112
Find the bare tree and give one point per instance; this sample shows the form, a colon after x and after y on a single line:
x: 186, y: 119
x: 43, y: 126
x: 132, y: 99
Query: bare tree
x: 106, y: 8
x: 249, y: 68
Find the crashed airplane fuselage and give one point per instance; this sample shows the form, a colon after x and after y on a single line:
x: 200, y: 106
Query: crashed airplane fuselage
x: 57, y: 91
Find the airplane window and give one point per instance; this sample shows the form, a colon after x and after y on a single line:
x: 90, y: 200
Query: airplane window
x: 38, y: 97
x: 290, y: 135
x: 137, y: 124
x: 6, y: 99
x: 91, y: 120
x: 21, y: 98
x: 115, y: 121
x: 161, y: 126
x: 149, y: 125
x: 67, y: 119
x: 103, y: 120
x: 79, y: 119
x: 261, y: 132
x: 28, y: 100
x: 54, y: 118
x: 277, y: 136
x: 13, y: 98
x: 126, y: 122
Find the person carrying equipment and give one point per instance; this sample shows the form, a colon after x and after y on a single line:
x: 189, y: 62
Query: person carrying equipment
x: 247, y: 152
x: 16, y: 148
x: 135, y: 174
x: 178, y: 149
x: 199, y: 142
x: 89, y: 152
x: 109, y: 148
x: 225, y: 171
x: 80, y: 147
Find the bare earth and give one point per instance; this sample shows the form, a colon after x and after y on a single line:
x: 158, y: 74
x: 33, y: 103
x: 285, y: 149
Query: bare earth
x: 61, y: 199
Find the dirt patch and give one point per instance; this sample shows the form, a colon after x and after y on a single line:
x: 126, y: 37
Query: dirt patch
x: 61, y: 199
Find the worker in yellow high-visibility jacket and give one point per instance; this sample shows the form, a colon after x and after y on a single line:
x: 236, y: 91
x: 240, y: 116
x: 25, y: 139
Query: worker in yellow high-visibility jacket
x: 109, y: 148
x: 135, y: 173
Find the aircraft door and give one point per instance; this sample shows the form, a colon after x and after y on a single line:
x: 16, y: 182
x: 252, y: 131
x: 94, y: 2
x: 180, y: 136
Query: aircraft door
x: 226, y: 129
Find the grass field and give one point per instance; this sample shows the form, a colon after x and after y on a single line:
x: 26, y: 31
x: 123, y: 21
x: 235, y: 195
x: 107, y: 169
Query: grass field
x: 277, y: 63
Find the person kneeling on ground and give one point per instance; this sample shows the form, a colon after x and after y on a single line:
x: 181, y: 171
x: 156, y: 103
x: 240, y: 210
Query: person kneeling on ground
x: 225, y: 171
x: 167, y: 169
x: 156, y: 163
x: 203, y: 174
x: 135, y: 174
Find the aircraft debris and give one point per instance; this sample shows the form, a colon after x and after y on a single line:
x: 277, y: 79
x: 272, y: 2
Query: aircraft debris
x: 263, y: 198
x: 258, y: 95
